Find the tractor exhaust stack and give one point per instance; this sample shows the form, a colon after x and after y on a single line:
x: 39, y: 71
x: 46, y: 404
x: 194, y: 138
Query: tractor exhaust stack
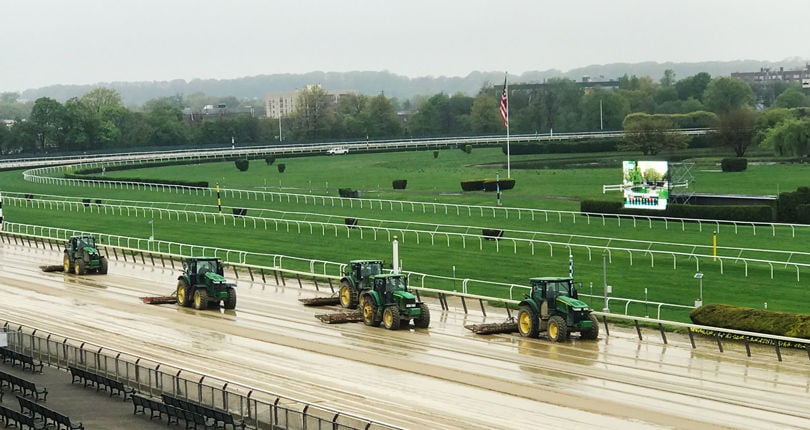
x: 396, y: 255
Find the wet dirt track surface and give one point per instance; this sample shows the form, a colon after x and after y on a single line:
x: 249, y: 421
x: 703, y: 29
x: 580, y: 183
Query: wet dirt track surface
x: 444, y: 377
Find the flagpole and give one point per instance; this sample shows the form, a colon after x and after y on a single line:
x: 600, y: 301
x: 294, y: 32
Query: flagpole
x: 508, y: 163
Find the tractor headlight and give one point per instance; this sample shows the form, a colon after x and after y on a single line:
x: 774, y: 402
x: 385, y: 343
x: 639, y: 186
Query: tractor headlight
x: 410, y: 305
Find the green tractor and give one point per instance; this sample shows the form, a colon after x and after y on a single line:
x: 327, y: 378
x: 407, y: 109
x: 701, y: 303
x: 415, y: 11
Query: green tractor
x: 553, y: 307
x: 202, y: 285
x: 356, y: 280
x: 82, y: 256
x: 389, y: 302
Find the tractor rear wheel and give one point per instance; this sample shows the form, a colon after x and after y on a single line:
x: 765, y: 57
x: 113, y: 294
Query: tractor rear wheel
x: 79, y: 267
x: 102, y: 266
x: 68, y: 266
x: 347, y: 299
x: 557, y: 329
x: 230, y: 302
x: 200, y: 299
x: 528, y: 324
x: 369, y: 313
x: 183, y: 293
x: 593, y: 332
x: 423, y: 321
x: 391, y: 318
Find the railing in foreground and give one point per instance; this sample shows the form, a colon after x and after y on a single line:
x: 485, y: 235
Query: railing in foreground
x: 259, y: 409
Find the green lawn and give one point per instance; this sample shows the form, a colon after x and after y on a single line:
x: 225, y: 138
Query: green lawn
x: 430, y: 179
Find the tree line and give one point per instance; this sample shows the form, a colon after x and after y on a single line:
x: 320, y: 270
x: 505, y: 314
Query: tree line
x: 773, y: 115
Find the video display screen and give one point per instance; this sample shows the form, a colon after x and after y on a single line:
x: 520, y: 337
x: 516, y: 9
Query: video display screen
x: 645, y: 184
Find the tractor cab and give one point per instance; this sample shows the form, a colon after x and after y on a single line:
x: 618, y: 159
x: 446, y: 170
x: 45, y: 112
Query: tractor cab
x: 551, y: 288
x: 203, y: 284
x: 362, y: 270
x: 387, y: 285
x: 81, y: 242
x: 198, y: 268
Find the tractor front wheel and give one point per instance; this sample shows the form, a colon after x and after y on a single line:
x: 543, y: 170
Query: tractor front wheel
x: 102, y: 268
x: 528, y: 324
x: 593, y: 332
x: 346, y: 299
x: 200, y: 299
x: 230, y: 302
x: 423, y: 320
x: 66, y: 261
x: 79, y: 267
x: 391, y: 318
x: 557, y: 329
x: 369, y: 313
x: 183, y: 293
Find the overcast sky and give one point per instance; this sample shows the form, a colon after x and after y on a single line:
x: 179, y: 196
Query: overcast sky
x: 49, y: 42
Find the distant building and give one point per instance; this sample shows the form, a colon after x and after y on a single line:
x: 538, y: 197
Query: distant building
x: 765, y: 75
x: 282, y: 104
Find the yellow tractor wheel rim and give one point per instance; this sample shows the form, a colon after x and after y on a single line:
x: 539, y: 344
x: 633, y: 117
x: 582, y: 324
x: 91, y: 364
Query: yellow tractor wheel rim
x: 345, y: 296
x: 525, y: 322
x: 367, y: 311
x: 198, y: 300
x: 552, y: 330
x: 66, y: 262
x: 389, y: 319
x: 181, y: 295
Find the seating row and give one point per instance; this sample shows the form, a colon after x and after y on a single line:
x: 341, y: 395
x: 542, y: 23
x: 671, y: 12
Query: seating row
x: 173, y: 413
x: 48, y: 416
x: 15, y: 418
x: 88, y: 377
x: 218, y: 415
x: 27, y: 388
x: 16, y: 358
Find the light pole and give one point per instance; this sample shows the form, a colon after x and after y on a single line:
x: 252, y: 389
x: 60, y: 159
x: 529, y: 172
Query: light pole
x: 699, y: 301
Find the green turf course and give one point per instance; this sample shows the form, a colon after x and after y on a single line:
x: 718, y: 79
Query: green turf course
x: 438, y: 179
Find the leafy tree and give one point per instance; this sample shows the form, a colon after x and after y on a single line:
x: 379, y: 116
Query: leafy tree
x: 5, y: 139
x: 693, y: 86
x: 165, y: 119
x: 382, y: 118
x: 668, y: 79
x: 314, y: 114
x: 790, y: 137
x: 650, y: 134
x: 639, y: 93
x: 613, y: 110
x: 792, y: 97
x: 11, y: 108
x: 559, y: 105
x: 97, y: 98
x: 48, y: 119
x: 484, y: 115
x: 736, y: 129
x: 724, y: 94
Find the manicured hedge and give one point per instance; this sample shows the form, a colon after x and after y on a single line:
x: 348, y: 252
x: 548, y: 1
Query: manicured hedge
x: 753, y: 320
x: 281, y: 167
x: 348, y: 193
x: 788, y: 204
x: 197, y: 184
x: 734, y: 164
x: 545, y: 147
x: 400, y: 184
x: 487, y: 184
x: 755, y: 213
x: 242, y: 164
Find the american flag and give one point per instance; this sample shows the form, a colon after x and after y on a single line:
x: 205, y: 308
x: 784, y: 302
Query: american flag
x: 504, y: 106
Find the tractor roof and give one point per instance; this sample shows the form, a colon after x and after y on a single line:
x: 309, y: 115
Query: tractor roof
x: 366, y: 261
x: 391, y: 275
x: 550, y: 279
x: 202, y: 259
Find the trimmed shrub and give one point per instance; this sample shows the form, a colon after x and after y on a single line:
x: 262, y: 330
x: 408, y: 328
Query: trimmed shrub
x: 472, y: 185
x: 490, y: 184
x: 400, y: 184
x: 436, y: 154
x: 242, y: 164
x: 239, y: 212
x: 788, y: 204
x: 348, y: 193
x: 351, y: 222
x: 467, y: 149
x: 756, y: 213
x: 281, y: 167
x: 491, y: 233
x: 269, y: 159
x: 86, y: 202
x: 754, y: 320
x: 734, y: 164
x: 567, y: 147
x: 803, y: 214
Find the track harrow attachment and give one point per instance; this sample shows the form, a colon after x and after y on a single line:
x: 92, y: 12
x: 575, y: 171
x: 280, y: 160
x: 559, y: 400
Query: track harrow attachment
x: 509, y: 326
x: 340, y: 317
x: 320, y: 301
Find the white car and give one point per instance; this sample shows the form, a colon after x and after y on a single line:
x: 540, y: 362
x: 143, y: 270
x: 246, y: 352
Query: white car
x: 337, y: 151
